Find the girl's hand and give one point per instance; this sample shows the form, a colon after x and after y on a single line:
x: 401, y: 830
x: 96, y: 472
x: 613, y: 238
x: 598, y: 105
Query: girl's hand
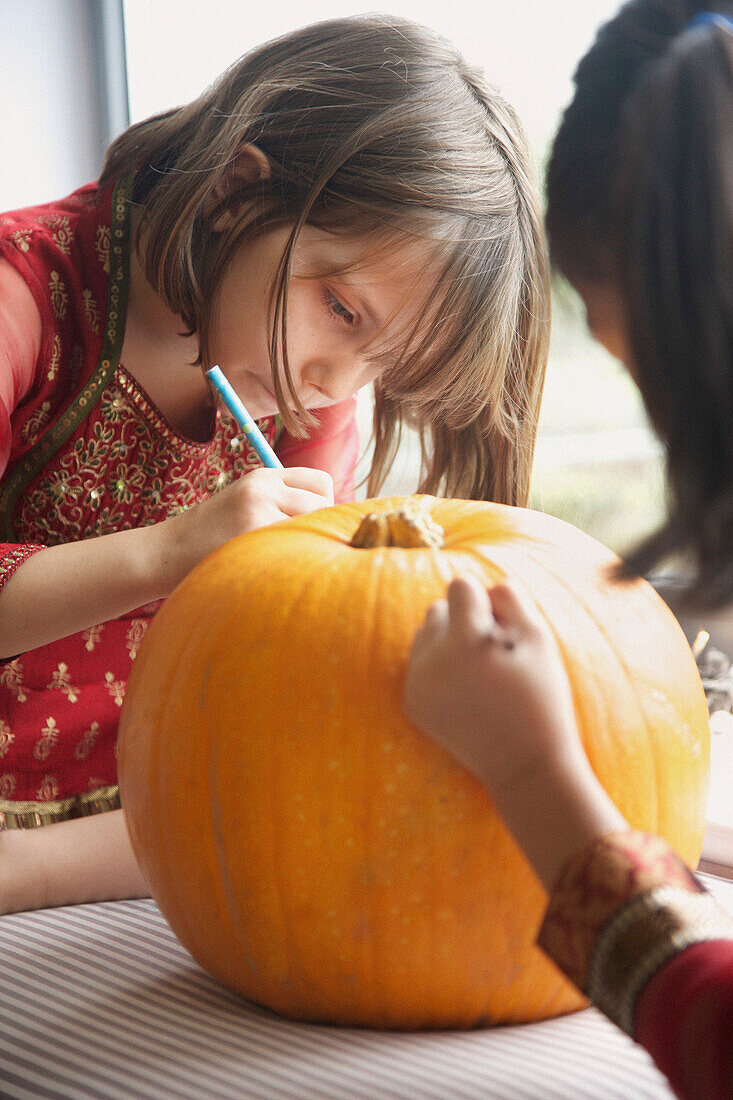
x: 67, y: 588
x: 259, y: 498
x: 486, y: 681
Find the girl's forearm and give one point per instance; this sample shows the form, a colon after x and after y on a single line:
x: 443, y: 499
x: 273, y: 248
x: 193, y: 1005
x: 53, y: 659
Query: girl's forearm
x: 552, y: 814
x: 64, y: 589
x: 73, y: 862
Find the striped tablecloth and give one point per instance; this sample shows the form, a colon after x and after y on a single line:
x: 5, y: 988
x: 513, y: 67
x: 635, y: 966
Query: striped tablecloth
x: 100, y: 1001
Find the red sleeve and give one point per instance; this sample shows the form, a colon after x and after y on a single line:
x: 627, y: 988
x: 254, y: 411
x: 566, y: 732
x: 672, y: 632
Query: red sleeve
x: 20, y: 341
x: 684, y: 1018
x: 332, y: 446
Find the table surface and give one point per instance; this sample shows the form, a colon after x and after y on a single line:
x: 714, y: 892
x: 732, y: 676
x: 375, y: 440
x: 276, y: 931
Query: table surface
x: 101, y: 1001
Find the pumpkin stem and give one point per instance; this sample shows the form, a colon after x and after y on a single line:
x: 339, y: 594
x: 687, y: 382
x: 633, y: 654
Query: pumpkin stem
x: 404, y: 527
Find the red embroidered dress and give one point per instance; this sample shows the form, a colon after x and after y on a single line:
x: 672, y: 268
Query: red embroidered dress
x: 89, y: 454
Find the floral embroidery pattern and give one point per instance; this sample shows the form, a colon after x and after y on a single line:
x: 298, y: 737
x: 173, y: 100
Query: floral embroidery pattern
x: 11, y: 677
x: 7, y: 786
x: 101, y: 245
x: 62, y: 234
x: 91, y: 637
x: 6, y: 738
x: 91, y: 312
x: 22, y: 239
x: 125, y: 467
x: 53, y: 365
x: 59, y: 295
x: 85, y: 746
x: 47, y: 740
x: 49, y: 789
x: 116, y: 688
x: 135, y: 635
x: 61, y: 681
x: 35, y: 423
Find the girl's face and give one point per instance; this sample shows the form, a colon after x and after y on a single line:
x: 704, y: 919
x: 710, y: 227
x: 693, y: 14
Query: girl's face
x: 334, y: 321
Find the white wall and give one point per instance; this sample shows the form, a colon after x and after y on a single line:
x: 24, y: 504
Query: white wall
x: 527, y: 48
x: 50, y: 128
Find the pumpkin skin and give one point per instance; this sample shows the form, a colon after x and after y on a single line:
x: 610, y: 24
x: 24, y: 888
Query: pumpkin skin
x: 307, y: 844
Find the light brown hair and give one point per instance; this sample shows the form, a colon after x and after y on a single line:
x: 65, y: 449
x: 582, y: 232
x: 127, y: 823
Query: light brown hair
x: 371, y: 125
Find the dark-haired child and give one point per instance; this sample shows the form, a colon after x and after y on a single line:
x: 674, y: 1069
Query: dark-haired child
x: 640, y: 220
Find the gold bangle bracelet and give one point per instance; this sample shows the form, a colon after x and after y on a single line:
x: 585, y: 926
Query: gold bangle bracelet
x: 637, y: 942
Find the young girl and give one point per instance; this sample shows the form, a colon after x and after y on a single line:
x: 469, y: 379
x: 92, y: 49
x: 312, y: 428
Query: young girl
x: 640, y: 217
x: 345, y: 205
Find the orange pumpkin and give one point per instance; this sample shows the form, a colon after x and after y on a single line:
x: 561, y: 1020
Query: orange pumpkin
x: 309, y: 846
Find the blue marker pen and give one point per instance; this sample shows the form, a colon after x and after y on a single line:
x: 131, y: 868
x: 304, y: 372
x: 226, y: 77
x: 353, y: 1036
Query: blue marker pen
x: 242, y: 417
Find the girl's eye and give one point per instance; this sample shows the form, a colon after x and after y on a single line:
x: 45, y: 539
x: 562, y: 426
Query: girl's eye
x: 337, y: 308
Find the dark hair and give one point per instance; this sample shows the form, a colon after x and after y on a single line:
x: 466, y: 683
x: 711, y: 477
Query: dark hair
x: 640, y: 199
x: 371, y: 125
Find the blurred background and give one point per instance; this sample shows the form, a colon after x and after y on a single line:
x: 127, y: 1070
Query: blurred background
x: 76, y: 72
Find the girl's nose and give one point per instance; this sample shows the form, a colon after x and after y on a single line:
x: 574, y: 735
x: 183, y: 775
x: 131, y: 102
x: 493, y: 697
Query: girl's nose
x: 334, y: 381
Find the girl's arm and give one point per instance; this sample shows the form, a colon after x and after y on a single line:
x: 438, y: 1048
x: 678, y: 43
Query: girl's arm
x: 649, y: 946
x: 20, y: 343
x: 63, y: 589
x: 72, y: 862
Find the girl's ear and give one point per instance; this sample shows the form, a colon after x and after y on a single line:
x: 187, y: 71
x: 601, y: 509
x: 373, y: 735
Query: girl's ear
x: 248, y: 168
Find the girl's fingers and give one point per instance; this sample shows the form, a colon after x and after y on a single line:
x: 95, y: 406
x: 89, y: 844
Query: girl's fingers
x: 435, y: 621
x: 306, y: 477
x: 437, y: 614
x: 512, y: 610
x: 469, y: 607
x: 295, y: 502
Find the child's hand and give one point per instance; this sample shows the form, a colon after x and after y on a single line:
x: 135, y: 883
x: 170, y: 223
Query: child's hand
x: 485, y: 680
x: 259, y: 498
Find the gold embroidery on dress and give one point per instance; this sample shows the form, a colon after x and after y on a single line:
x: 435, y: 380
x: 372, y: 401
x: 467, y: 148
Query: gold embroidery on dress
x: 91, y: 312
x: 22, y: 239
x: 85, y: 746
x: 135, y: 635
x: 116, y: 688
x: 53, y: 366
x: 8, y: 784
x: 91, y: 637
x: 11, y: 677
x: 63, y: 236
x: 59, y: 295
x: 102, y: 245
x: 6, y: 738
x: 35, y: 424
x: 48, y: 790
x: 31, y: 814
x: 61, y: 681
x: 47, y: 740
